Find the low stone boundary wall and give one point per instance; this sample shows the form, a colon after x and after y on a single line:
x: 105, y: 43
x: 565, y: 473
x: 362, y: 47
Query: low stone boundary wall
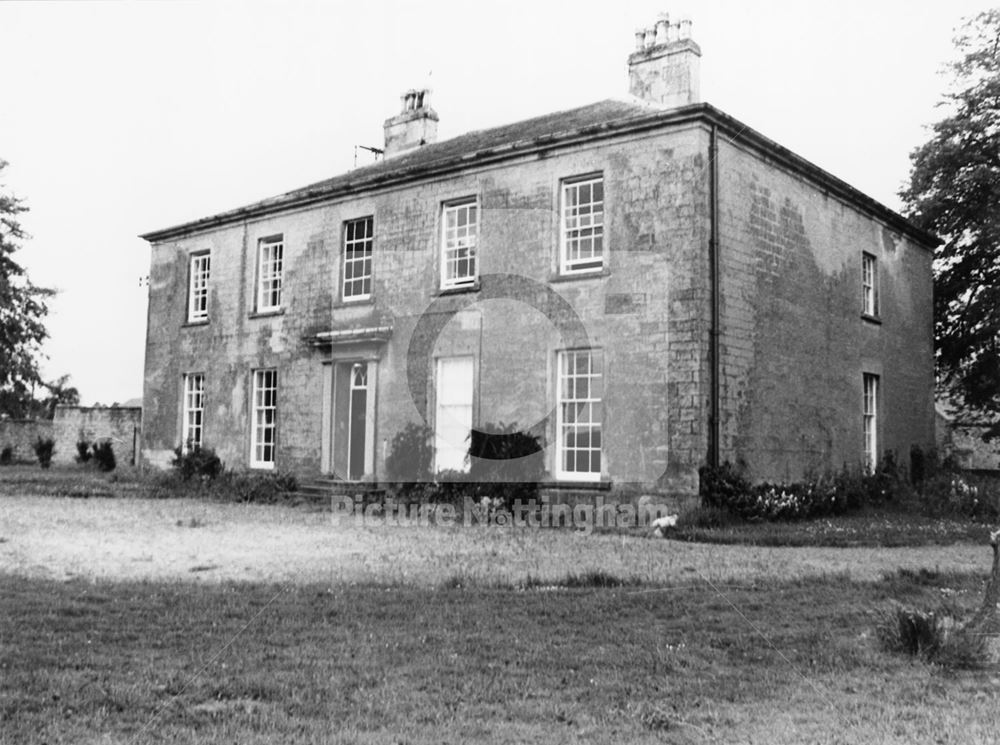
x: 21, y: 435
x: 118, y: 424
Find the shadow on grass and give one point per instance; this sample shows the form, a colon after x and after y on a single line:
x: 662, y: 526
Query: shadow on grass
x: 874, y: 528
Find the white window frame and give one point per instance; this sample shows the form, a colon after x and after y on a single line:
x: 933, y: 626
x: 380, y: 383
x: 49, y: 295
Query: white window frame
x: 568, y: 395
x: 580, y: 223
x: 358, y: 267
x: 270, y: 273
x: 264, y: 418
x: 193, y: 412
x: 199, y: 267
x: 869, y: 284
x: 457, y: 240
x: 869, y: 415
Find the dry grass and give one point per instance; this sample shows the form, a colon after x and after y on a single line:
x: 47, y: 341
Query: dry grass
x: 150, y: 539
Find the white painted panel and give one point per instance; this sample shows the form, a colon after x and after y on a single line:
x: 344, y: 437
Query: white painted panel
x: 453, y: 419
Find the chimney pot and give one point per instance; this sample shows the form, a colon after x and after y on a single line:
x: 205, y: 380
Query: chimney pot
x: 666, y: 69
x: 640, y: 39
x: 661, y: 29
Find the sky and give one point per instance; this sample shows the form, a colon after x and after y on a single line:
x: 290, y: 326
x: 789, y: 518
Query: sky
x: 118, y: 118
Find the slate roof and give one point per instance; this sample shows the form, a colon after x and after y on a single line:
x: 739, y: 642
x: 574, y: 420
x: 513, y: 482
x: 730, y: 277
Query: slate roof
x: 594, y: 121
x: 470, y: 143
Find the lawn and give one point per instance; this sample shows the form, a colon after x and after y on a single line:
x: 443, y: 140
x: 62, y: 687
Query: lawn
x: 772, y: 662
x: 136, y: 620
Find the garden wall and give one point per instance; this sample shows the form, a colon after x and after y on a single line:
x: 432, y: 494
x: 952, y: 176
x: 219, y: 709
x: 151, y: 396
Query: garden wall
x: 21, y: 434
x: 119, y: 424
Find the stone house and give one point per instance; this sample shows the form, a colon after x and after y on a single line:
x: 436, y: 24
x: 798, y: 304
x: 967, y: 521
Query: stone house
x: 647, y: 284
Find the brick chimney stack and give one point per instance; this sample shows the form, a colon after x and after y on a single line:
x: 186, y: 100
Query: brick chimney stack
x: 665, y: 66
x: 414, y: 126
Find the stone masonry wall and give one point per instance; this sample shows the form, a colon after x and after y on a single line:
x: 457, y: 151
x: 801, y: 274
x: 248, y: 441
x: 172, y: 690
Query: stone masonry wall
x: 118, y: 424
x: 71, y: 424
x: 794, y: 343
x: 647, y: 311
x: 21, y: 435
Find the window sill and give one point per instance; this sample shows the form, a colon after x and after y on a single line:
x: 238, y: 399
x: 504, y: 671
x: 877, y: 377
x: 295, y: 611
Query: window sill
x: 354, y: 303
x: 194, y: 324
x: 474, y: 287
x: 595, y: 274
x: 877, y: 320
x: 267, y: 313
x: 261, y: 466
x: 603, y: 484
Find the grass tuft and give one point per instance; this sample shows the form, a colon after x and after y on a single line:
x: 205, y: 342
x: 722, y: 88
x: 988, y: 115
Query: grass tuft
x: 911, y: 631
x: 932, y: 636
x: 594, y: 578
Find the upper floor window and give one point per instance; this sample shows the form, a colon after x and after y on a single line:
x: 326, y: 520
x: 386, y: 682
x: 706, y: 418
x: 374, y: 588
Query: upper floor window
x: 579, y: 414
x: 194, y: 411
x: 869, y: 284
x: 270, y: 262
x: 198, y: 287
x: 460, y: 233
x: 358, y: 239
x: 582, y: 225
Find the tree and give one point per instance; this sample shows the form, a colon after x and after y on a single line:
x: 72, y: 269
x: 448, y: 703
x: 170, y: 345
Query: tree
x: 22, y: 310
x: 60, y: 392
x: 954, y: 191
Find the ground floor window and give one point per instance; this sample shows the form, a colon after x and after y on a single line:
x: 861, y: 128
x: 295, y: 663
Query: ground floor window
x: 265, y: 423
x: 579, y: 414
x: 455, y: 392
x: 870, y: 417
x: 194, y: 411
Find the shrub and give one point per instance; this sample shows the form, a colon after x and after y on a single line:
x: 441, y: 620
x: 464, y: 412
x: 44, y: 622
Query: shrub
x: 958, y: 494
x: 82, y: 451
x: 723, y: 486
x: 933, y: 637
x: 506, y: 464
x: 104, y: 455
x: 885, y: 484
x: 410, y: 455
x: 727, y: 488
x: 706, y: 517
x: 227, y: 486
x: 7, y: 455
x: 963, y: 650
x: 910, y: 631
x: 196, y: 461
x: 43, y: 451
x: 450, y: 487
x: 257, y: 488
x: 923, y: 464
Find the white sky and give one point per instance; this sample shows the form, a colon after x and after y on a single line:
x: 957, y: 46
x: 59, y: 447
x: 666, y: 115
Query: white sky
x: 123, y: 117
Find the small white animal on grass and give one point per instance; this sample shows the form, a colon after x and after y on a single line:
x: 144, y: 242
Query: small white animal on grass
x: 661, y: 524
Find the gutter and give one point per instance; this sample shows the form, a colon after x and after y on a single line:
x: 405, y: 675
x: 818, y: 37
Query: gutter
x: 715, y: 362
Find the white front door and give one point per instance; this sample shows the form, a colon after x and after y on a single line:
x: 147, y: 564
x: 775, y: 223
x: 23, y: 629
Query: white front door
x: 453, y: 419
